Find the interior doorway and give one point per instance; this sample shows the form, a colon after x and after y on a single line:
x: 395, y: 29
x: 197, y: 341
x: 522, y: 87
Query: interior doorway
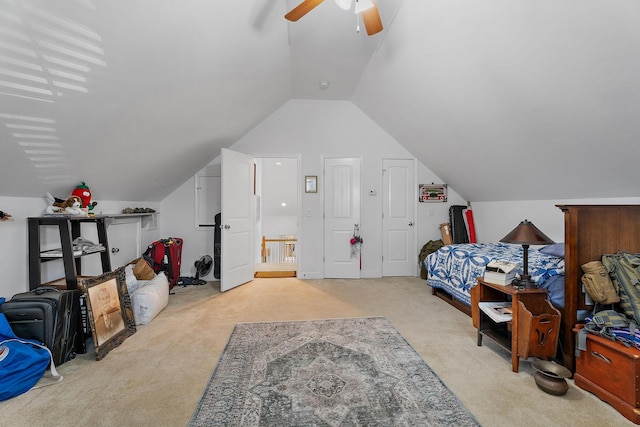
x: 342, y: 259
x: 398, y: 217
x: 277, y: 210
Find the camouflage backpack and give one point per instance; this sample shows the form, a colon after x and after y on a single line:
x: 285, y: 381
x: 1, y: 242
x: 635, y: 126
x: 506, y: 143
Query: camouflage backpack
x: 430, y: 247
x: 624, y: 270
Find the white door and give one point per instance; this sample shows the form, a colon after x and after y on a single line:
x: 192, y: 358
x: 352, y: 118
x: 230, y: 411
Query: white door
x: 398, y: 248
x: 123, y: 235
x: 124, y: 241
x: 236, y: 249
x: 342, y: 215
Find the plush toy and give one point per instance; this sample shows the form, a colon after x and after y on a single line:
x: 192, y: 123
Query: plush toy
x: 4, y: 216
x: 70, y: 206
x: 84, y: 192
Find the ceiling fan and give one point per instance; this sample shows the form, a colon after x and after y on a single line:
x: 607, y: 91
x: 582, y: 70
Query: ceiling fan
x: 366, y: 8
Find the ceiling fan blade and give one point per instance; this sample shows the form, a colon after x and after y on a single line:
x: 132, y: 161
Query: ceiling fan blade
x: 302, y: 9
x: 372, y: 21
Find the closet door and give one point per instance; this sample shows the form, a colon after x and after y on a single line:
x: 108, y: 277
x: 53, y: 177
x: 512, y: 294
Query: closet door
x: 398, y: 223
x: 342, y: 216
x: 124, y: 241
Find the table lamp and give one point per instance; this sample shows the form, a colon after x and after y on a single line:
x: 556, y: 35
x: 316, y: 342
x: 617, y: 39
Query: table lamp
x: 526, y: 234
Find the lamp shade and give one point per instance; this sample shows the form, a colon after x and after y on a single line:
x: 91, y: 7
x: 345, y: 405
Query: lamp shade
x: 526, y: 234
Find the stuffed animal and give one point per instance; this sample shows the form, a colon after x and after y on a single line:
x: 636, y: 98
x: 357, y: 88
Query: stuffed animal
x: 84, y: 192
x: 70, y: 206
x: 4, y: 216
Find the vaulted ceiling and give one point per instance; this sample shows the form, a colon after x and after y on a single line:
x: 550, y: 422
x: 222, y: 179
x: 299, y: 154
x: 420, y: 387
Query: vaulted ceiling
x: 504, y: 100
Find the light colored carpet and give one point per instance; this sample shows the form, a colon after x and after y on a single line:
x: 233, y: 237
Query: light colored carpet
x: 157, y: 376
x: 332, y: 372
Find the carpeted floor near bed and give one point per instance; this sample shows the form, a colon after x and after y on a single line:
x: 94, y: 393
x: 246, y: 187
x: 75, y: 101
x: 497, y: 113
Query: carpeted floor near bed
x: 158, y: 375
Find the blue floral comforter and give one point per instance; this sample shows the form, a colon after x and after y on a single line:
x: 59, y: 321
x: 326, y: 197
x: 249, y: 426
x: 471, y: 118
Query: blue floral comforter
x: 455, y: 268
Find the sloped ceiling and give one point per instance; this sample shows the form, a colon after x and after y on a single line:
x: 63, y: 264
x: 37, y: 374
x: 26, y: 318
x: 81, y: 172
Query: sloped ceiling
x: 514, y: 100
x: 504, y: 100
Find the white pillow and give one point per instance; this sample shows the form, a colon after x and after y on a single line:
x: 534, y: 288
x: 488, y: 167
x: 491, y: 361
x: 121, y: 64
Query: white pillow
x: 150, y: 299
x: 130, y: 278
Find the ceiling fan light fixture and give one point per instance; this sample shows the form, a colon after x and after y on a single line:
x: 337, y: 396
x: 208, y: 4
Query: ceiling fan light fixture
x: 344, y: 4
x: 362, y: 5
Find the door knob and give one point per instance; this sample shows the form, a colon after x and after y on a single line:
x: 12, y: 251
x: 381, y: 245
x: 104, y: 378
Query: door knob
x: 115, y: 250
x: 227, y: 226
x: 410, y: 223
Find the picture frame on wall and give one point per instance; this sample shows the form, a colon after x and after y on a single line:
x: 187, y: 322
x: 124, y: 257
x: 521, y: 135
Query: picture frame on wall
x: 109, y: 310
x: 310, y: 184
x: 432, y: 193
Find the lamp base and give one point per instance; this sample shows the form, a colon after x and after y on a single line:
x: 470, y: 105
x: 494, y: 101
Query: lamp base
x: 524, y: 282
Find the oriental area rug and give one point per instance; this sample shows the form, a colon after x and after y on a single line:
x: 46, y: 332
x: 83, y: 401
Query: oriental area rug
x: 339, y: 372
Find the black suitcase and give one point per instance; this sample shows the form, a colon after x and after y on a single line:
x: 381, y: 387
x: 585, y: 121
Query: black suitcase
x: 217, y: 237
x: 48, y: 315
x: 458, y: 227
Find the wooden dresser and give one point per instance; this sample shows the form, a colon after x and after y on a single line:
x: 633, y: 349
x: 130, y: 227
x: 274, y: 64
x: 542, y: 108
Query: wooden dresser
x: 611, y: 371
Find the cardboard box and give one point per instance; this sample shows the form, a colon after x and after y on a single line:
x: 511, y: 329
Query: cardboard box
x: 445, y: 229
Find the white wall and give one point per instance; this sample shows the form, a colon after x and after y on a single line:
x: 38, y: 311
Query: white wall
x: 178, y: 215
x: 494, y: 220
x: 14, y: 245
x: 315, y: 130
x: 276, y: 226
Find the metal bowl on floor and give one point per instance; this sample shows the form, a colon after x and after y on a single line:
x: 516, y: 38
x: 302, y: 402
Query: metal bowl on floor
x: 550, y: 377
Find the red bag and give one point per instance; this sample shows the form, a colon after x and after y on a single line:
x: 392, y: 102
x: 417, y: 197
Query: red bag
x: 165, y: 255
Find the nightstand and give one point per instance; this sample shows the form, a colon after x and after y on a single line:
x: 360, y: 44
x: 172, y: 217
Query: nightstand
x: 531, y: 312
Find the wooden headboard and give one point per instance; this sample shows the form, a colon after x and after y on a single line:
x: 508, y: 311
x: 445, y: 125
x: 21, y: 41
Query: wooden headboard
x: 591, y: 231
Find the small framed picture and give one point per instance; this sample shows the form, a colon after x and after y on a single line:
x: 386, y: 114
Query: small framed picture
x: 432, y: 193
x: 310, y: 184
x: 109, y: 310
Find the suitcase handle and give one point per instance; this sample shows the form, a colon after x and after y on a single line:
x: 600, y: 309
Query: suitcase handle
x: 44, y: 289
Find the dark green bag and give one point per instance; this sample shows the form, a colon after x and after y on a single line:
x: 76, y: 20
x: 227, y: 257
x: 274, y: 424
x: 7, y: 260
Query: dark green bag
x: 430, y: 247
x: 624, y: 269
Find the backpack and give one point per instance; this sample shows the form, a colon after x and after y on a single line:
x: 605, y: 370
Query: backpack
x: 22, y: 362
x: 598, y: 284
x: 611, y: 325
x: 430, y: 247
x: 624, y: 270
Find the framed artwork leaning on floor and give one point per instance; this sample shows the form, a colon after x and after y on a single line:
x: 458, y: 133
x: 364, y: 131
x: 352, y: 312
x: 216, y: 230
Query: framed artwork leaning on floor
x: 109, y: 310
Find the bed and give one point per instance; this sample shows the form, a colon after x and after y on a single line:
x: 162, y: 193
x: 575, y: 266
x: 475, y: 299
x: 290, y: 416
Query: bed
x: 453, y: 269
x: 590, y: 231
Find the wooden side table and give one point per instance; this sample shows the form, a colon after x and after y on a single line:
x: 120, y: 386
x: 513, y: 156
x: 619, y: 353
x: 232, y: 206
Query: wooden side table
x: 506, y: 335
